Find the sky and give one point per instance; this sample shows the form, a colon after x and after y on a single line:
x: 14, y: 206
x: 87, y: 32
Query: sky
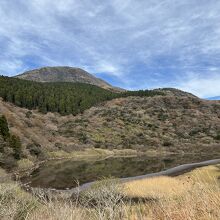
x: 133, y: 44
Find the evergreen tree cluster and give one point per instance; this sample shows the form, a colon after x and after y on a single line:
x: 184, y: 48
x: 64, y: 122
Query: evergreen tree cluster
x: 11, y: 147
x: 62, y: 97
x: 4, y: 130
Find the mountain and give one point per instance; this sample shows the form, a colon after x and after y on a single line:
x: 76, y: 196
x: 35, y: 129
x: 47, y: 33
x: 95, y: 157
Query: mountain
x: 214, y: 98
x: 64, y: 74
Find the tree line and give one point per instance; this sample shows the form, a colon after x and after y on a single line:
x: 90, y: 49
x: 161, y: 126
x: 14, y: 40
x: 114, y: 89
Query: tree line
x: 62, y: 97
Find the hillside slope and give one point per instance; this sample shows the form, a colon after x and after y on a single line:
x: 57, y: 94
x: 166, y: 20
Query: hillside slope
x: 175, y: 123
x: 64, y: 74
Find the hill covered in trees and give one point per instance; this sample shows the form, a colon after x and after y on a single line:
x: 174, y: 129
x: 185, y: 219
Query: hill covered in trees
x: 62, y: 97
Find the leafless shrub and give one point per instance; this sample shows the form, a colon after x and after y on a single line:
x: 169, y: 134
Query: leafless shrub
x: 105, y: 199
x: 15, y: 203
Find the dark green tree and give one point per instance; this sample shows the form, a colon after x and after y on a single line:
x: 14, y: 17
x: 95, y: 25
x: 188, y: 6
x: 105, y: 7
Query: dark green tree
x: 63, y: 97
x: 4, y: 130
x: 15, y: 144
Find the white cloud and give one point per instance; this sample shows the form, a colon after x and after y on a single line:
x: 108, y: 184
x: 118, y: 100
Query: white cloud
x: 203, y: 86
x: 103, y: 67
x: 107, y: 68
x: 120, y: 38
x: 11, y: 66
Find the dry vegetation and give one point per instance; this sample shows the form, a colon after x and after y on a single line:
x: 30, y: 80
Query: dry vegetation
x: 194, y: 195
x: 165, y: 186
x: 156, y: 188
x: 173, y: 123
x: 177, y: 122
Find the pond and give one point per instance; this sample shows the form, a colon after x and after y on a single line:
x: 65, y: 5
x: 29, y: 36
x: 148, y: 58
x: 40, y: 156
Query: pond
x: 64, y: 174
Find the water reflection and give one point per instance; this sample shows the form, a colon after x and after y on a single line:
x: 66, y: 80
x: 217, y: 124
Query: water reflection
x: 63, y: 174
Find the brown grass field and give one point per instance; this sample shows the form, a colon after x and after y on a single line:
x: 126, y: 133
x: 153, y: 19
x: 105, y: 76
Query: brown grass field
x: 192, y: 196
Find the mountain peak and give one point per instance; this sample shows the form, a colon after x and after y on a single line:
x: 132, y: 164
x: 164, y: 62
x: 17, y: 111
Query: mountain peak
x: 64, y: 74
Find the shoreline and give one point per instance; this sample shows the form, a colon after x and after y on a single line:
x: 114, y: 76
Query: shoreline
x: 175, y: 171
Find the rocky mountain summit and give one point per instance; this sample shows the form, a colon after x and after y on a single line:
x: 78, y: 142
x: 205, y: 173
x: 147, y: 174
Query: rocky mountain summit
x: 64, y: 74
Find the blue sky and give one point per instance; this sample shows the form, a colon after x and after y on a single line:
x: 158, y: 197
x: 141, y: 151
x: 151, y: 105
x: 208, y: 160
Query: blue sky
x: 134, y: 44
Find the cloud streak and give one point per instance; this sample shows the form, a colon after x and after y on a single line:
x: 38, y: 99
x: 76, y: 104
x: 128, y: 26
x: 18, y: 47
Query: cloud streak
x: 135, y: 44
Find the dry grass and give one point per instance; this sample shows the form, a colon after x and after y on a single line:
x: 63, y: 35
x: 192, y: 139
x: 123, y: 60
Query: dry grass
x: 192, y: 196
x: 156, y: 188
x: 164, y: 186
x: 206, y: 175
x: 2, y: 173
x: 4, y: 177
x: 58, y: 211
x: 15, y: 203
x: 24, y: 164
x: 200, y: 202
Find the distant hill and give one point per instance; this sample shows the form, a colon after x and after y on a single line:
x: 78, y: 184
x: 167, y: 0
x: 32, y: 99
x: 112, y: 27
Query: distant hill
x: 214, y: 98
x: 64, y: 74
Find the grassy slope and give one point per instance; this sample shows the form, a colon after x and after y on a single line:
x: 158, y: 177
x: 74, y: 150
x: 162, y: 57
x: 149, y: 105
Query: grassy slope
x: 169, y: 123
x: 165, y: 186
x: 194, y: 195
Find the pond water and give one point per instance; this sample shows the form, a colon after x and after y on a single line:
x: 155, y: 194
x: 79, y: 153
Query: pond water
x: 63, y: 174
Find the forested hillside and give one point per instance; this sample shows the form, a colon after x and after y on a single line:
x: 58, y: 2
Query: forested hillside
x: 62, y: 97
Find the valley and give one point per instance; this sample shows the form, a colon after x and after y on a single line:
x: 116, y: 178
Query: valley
x: 109, y: 110
x: 59, y: 135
